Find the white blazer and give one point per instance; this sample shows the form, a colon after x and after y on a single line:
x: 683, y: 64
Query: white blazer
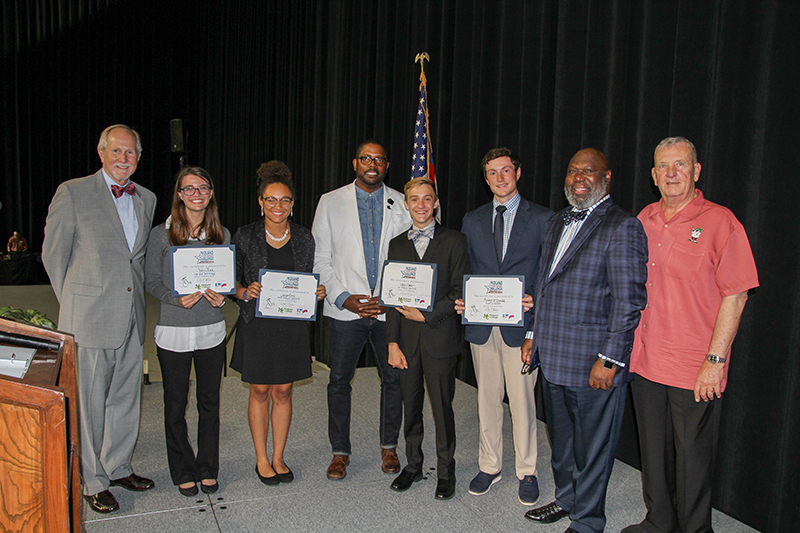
x: 339, y: 257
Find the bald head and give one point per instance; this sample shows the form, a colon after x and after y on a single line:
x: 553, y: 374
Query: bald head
x: 588, y: 178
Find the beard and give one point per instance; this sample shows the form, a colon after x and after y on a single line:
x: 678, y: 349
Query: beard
x: 596, y: 192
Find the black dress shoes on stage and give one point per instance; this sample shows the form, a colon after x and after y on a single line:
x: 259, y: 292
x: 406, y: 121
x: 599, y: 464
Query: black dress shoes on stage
x: 102, y: 502
x: 547, y: 514
x: 133, y: 482
x: 271, y: 480
x: 445, y: 489
x: 402, y: 482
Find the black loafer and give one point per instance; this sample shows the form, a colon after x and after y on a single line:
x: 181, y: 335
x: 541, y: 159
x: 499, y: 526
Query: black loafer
x: 102, y: 502
x: 189, y: 491
x: 547, y: 514
x: 133, y: 482
x: 404, y: 481
x: 445, y: 489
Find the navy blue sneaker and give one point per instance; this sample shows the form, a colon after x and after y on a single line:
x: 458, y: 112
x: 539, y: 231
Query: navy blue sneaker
x: 528, y: 490
x: 480, y: 484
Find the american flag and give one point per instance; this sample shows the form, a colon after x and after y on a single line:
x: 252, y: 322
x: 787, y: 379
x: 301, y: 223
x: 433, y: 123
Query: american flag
x: 422, y: 158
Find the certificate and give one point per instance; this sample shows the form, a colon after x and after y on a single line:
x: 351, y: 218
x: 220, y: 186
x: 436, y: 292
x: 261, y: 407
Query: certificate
x: 289, y: 295
x: 493, y: 300
x: 411, y: 284
x: 197, y: 268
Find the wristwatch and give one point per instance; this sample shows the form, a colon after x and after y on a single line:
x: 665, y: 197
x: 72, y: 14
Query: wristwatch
x: 608, y: 364
x: 714, y: 359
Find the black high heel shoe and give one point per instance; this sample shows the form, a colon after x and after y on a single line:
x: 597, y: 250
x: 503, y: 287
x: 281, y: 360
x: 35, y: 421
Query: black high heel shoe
x: 272, y: 480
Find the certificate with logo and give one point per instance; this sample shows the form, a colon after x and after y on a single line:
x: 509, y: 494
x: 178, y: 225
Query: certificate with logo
x: 411, y: 284
x: 493, y: 300
x: 290, y: 295
x: 197, y: 268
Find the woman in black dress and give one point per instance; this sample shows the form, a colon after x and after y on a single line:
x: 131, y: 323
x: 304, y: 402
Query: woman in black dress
x: 271, y: 353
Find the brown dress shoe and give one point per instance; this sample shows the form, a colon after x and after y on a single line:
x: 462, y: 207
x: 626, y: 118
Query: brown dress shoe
x: 391, y: 464
x: 338, y: 467
x: 102, y: 502
x: 133, y: 482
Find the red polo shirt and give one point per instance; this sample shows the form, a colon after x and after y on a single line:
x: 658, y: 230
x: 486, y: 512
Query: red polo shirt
x: 696, y: 259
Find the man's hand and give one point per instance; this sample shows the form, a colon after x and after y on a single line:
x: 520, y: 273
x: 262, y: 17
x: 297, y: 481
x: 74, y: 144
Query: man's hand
x: 411, y: 313
x: 396, y: 357
x: 709, y: 379
x: 601, y: 377
x: 459, y: 307
x: 527, y: 303
x: 364, y: 306
x: 214, y: 298
x: 189, y: 300
x: 527, y: 347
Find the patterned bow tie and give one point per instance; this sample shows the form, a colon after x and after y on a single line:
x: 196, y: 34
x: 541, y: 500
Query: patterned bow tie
x: 572, y: 216
x: 415, y: 234
x: 117, y: 191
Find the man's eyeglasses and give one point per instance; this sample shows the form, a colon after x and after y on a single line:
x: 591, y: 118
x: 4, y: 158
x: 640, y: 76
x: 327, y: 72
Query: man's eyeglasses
x: 380, y: 161
x: 189, y: 190
x: 271, y: 201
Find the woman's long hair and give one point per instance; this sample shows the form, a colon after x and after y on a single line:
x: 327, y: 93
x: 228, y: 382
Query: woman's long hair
x: 180, y: 229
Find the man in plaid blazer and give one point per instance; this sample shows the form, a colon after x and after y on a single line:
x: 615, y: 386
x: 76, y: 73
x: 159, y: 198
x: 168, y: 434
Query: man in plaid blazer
x: 589, y: 294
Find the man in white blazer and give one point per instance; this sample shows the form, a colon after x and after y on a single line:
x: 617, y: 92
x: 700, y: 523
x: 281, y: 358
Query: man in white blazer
x: 94, y: 245
x: 352, y: 229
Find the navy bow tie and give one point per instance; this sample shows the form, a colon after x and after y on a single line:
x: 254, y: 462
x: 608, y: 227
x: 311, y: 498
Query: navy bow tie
x: 414, y: 234
x: 117, y: 191
x: 572, y: 216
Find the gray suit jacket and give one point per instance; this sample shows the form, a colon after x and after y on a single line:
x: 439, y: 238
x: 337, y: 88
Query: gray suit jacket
x: 96, y: 278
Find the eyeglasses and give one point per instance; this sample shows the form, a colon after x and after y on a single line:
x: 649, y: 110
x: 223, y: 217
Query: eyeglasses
x: 380, y: 161
x: 189, y: 190
x: 271, y: 201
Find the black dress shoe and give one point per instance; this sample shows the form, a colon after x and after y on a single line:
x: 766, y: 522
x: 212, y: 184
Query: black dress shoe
x: 445, y: 489
x: 133, y: 482
x: 188, y: 491
x: 272, y: 480
x: 402, y: 482
x: 288, y: 477
x: 209, y: 489
x: 547, y: 514
x: 102, y: 502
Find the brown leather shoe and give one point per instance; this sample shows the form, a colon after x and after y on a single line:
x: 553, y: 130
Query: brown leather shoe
x: 133, y: 482
x: 391, y: 464
x: 102, y: 502
x: 338, y: 467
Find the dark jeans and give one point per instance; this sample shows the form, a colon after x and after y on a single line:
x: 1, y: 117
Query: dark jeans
x: 175, y: 370
x: 347, y: 340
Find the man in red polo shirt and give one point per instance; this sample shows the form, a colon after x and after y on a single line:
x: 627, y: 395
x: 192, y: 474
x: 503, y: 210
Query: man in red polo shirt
x: 699, y: 272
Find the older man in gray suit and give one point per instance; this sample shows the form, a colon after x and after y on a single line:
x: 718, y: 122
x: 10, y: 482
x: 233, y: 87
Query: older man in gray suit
x: 94, y: 245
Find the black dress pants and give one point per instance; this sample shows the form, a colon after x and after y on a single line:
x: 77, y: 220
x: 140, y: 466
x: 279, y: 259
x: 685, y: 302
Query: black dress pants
x: 176, y: 367
x: 440, y: 377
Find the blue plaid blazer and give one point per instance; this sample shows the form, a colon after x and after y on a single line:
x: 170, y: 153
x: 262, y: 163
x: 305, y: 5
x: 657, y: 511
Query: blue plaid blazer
x: 592, y: 303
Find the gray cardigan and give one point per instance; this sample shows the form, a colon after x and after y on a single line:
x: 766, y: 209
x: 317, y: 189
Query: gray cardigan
x: 158, y: 272
x: 251, y: 256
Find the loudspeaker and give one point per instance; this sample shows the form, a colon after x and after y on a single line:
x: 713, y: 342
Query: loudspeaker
x: 177, y: 136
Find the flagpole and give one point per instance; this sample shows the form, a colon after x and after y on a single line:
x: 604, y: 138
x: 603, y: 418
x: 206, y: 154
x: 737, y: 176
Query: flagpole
x: 422, y: 161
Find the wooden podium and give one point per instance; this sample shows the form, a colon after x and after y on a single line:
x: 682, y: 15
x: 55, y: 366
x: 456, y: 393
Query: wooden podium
x: 39, y: 478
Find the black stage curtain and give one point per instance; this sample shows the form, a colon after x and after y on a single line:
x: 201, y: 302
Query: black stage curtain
x: 305, y: 80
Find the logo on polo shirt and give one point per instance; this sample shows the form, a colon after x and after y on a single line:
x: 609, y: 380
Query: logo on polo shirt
x: 695, y: 234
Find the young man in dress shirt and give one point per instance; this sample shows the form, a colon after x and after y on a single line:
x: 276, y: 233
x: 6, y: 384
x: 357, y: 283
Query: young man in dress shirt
x: 424, y: 345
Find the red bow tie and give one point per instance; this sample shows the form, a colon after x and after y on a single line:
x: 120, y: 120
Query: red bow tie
x: 117, y: 191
